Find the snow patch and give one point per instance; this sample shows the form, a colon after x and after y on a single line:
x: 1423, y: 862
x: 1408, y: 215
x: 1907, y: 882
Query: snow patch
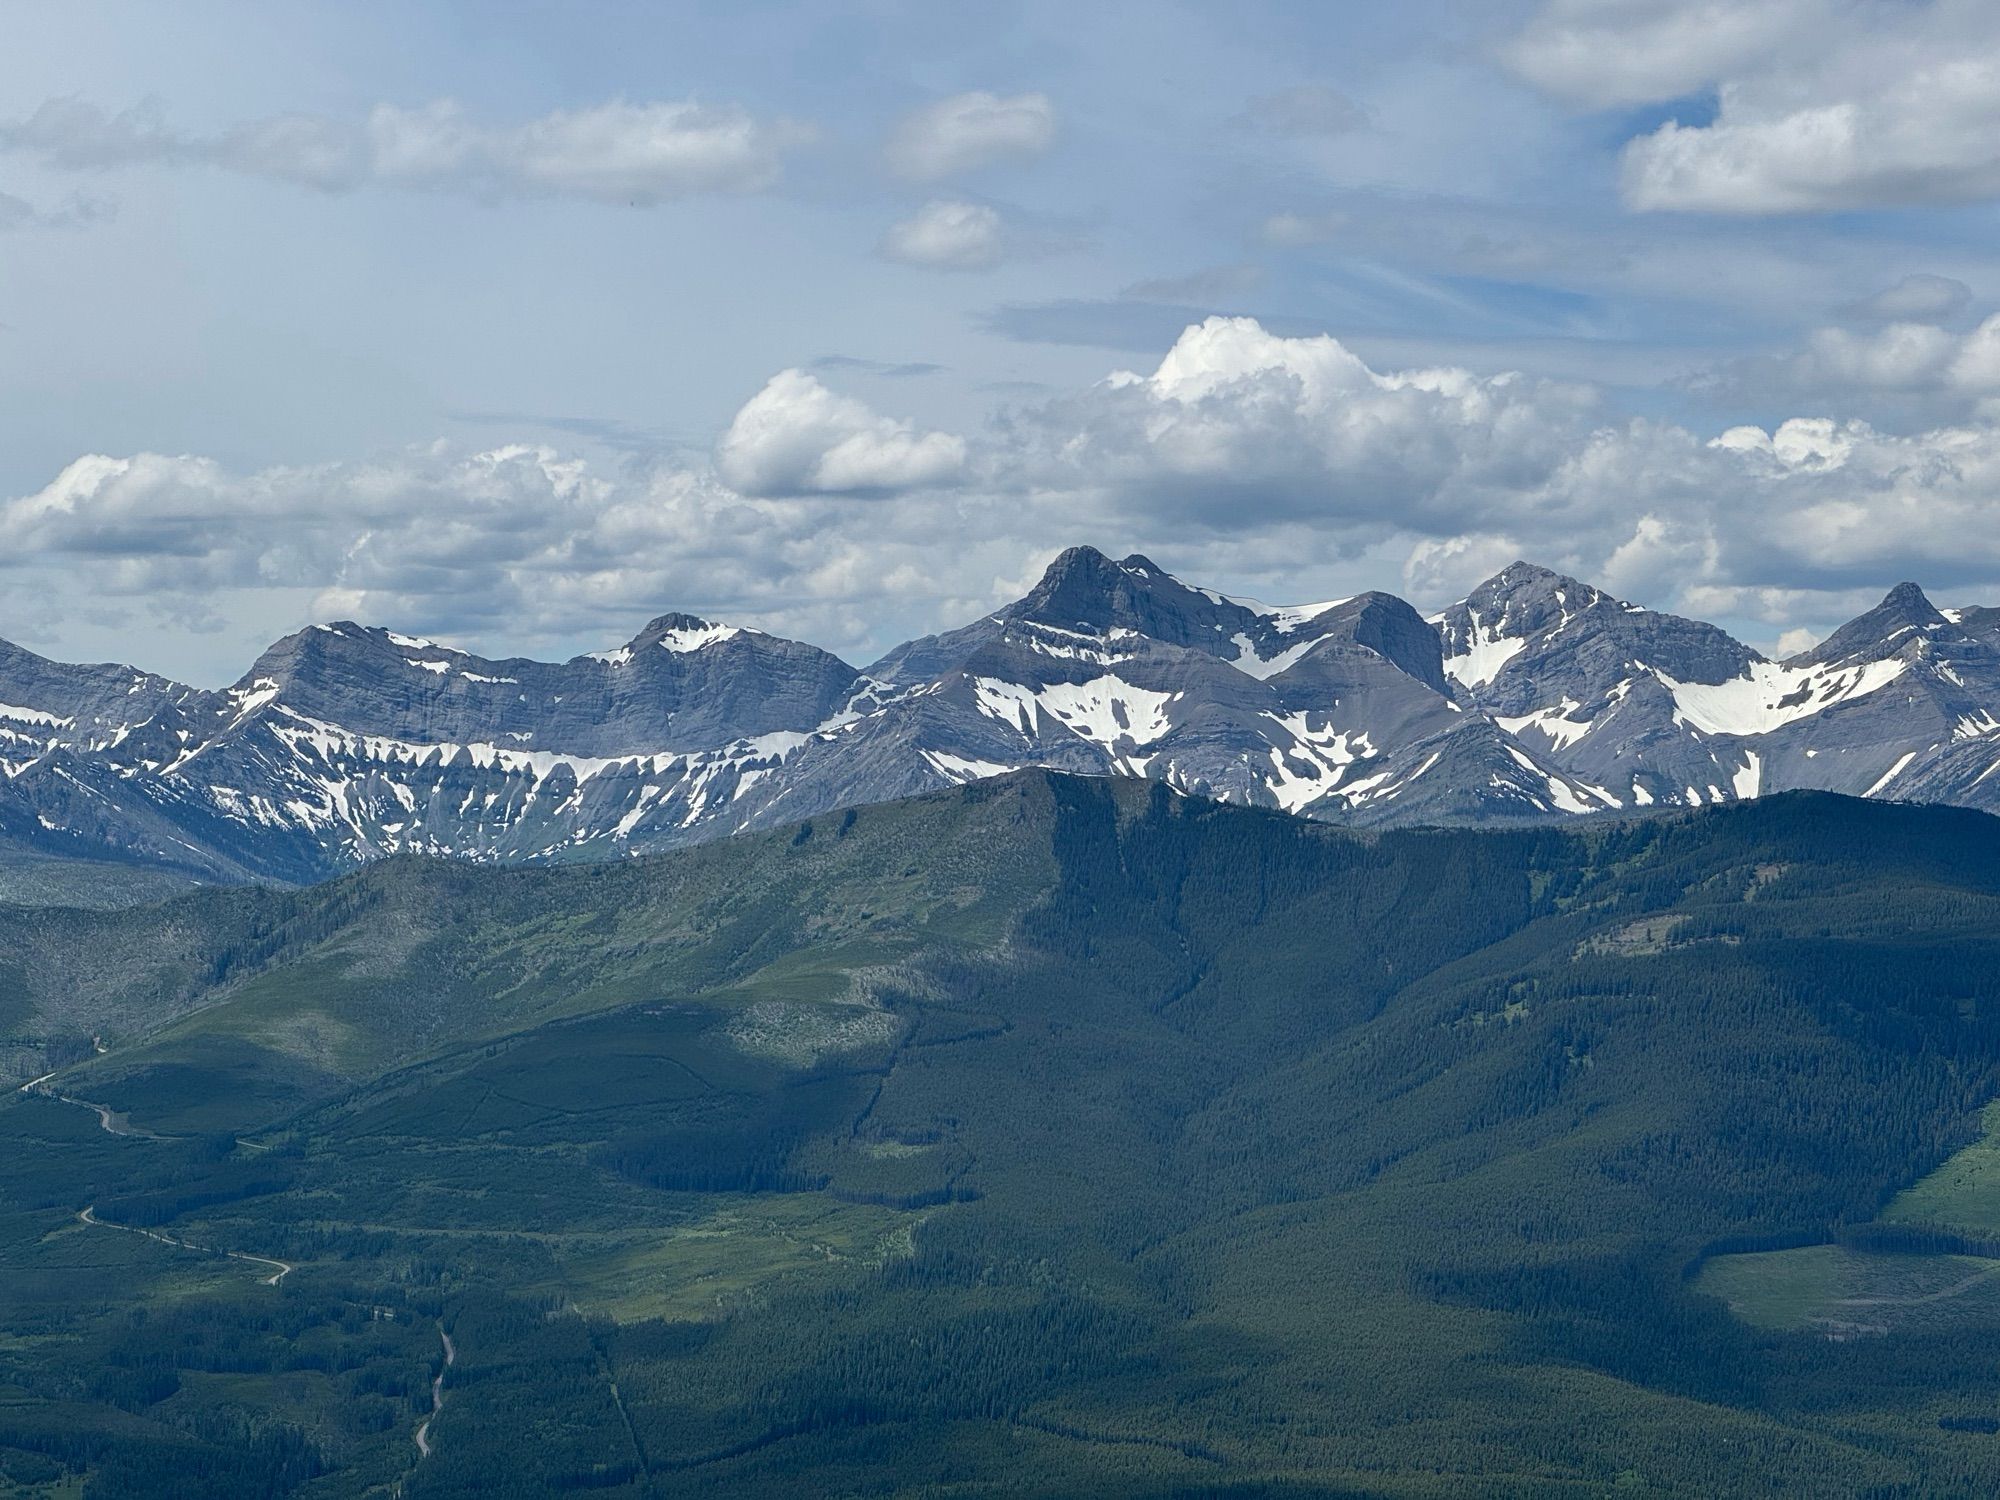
x: 962, y: 767
x: 1486, y: 652
x: 1248, y: 661
x: 1751, y: 777
x: 1285, y: 618
x: 1105, y: 710
x: 1315, y: 761
x: 418, y: 643
x: 1891, y: 774
x: 1555, y: 723
x: 1971, y: 727
x: 33, y: 716
x: 694, y: 637
x: 1771, y: 694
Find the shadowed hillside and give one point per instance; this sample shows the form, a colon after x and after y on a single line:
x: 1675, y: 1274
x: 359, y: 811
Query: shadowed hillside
x: 1041, y: 1136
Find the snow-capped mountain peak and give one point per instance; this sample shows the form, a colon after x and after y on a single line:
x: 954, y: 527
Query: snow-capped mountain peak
x: 1537, y: 696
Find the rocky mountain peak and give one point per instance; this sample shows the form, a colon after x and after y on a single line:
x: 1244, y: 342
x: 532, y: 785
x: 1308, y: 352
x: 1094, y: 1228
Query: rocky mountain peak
x: 1903, y: 618
x: 681, y: 633
x: 1085, y: 590
x: 1084, y: 587
x: 1525, y: 597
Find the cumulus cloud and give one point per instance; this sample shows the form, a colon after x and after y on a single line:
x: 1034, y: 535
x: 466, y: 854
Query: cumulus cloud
x: 796, y: 437
x: 1240, y: 431
x: 1820, y: 105
x: 967, y: 131
x: 1304, y: 427
x: 948, y: 235
x: 1946, y: 372
x: 1929, y: 135
x: 1240, y: 455
x: 644, y: 153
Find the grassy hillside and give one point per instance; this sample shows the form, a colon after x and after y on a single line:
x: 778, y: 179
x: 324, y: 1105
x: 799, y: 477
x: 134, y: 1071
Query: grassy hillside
x: 1041, y: 1137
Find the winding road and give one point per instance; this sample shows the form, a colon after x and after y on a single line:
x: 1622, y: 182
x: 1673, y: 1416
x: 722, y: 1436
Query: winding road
x: 113, y: 1121
x: 437, y: 1394
x: 89, y: 1216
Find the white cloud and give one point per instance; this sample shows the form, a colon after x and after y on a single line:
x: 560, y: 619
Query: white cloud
x: 1241, y: 455
x: 1932, y: 135
x: 616, y: 152
x: 1601, y: 53
x: 517, y: 547
x: 1821, y: 105
x: 1900, y: 356
x: 948, y: 235
x: 1305, y: 427
x: 1950, y: 372
x: 1241, y: 434
x: 968, y: 131
x: 645, y: 153
x: 796, y: 437
x: 305, y: 150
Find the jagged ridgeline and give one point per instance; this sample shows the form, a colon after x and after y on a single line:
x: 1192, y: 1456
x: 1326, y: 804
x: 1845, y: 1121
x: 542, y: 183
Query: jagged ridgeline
x: 1535, y: 699
x: 1044, y: 1136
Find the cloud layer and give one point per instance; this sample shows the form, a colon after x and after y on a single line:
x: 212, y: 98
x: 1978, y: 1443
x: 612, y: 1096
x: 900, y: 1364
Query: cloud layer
x: 1240, y: 455
x: 644, y: 153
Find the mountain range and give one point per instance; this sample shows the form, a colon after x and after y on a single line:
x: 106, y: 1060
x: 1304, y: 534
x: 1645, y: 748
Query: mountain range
x: 1536, y: 698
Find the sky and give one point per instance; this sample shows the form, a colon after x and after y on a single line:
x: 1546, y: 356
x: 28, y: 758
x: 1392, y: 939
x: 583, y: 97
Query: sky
x: 516, y: 325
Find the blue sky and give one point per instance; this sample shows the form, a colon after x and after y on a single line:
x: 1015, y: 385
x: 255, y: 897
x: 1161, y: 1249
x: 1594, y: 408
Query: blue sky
x: 517, y: 324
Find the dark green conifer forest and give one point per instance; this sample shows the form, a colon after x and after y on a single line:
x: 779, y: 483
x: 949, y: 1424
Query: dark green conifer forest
x: 1045, y: 1137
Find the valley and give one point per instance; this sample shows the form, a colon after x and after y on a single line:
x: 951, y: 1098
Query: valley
x: 1042, y: 1132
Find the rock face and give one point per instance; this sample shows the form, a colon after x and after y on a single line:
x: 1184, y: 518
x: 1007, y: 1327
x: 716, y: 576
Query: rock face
x: 1536, y: 697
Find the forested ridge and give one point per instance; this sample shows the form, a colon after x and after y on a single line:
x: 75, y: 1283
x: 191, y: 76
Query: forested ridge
x: 1047, y: 1136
